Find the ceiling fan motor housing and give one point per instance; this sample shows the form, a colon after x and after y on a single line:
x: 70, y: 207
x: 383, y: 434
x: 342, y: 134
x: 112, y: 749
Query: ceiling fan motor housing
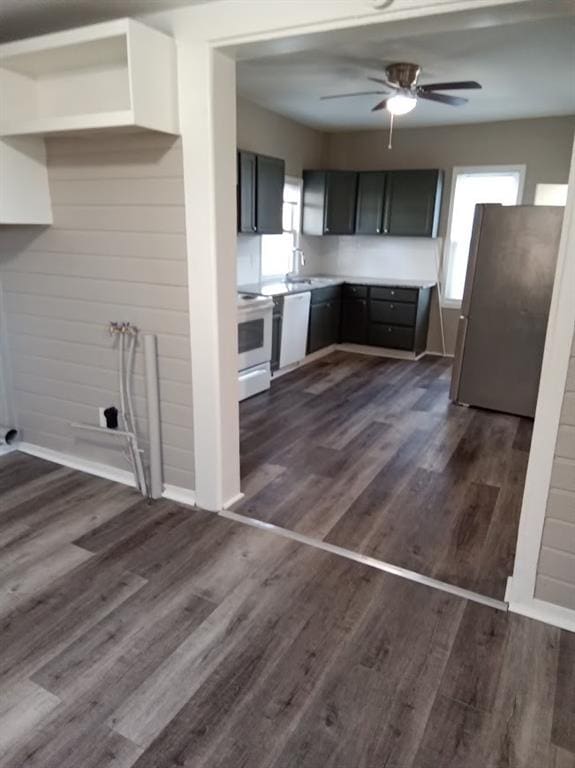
x: 403, y: 74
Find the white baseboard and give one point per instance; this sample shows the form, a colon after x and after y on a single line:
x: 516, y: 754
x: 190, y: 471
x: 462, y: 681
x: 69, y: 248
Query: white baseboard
x: 365, y: 349
x: 361, y: 349
x: 548, y: 613
x: 179, y: 494
x: 6, y: 449
x: 234, y: 500
x: 123, y: 476
x: 76, y: 462
x: 305, y: 361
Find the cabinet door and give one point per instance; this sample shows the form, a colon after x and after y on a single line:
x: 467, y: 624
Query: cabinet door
x: 340, y: 199
x: 323, y: 325
x: 370, y: 203
x: 354, y: 319
x: 412, y: 203
x: 270, y: 174
x: 246, y: 192
x: 313, y: 202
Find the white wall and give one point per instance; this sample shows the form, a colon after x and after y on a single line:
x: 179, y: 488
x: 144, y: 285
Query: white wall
x: 116, y: 251
x: 7, y: 418
x: 556, y: 568
x: 265, y: 132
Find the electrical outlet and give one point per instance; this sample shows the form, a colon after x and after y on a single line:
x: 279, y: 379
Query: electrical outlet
x: 101, y: 417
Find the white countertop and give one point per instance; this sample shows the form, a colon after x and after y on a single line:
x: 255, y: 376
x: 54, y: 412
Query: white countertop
x: 277, y: 287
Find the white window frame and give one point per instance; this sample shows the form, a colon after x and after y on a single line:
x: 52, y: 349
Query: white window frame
x: 296, y: 181
x: 456, y: 171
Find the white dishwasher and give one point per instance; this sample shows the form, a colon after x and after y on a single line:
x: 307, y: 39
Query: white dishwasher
x: 295, y: 322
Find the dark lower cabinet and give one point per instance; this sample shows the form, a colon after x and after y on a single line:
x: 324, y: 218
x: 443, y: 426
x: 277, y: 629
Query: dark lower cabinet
x: 385, y: 316
x: 391, y: 336
x: 324, y: 318
x: 399, y: 318
x: 354, y: 320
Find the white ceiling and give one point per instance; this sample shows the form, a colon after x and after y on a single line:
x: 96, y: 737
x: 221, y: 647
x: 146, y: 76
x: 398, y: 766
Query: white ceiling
x: 27, y: 18
x: 526, y: 69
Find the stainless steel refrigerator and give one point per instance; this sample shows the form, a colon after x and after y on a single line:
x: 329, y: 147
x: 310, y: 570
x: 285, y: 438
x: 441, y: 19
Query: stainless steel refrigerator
x: 505, y: 307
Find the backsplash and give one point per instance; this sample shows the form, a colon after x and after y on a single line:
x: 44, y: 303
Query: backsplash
x: 401, y: 258
x: 248, y: 252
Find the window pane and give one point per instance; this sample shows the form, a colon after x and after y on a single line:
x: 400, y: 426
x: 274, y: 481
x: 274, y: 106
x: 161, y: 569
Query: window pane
x: 470, y: 189
x: 551, y: 194
x: 277, y: 250
x: 276, y: 254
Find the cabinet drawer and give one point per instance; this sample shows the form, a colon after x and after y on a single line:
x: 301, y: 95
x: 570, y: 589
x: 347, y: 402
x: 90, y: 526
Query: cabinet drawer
x: 355, y: 291
x: 392, y: 313
x: 392, y: 336
x: 408, y: 295
x: 329, y: 293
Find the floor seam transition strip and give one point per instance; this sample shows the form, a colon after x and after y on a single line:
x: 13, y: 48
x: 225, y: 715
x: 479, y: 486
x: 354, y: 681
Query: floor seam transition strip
x: 372, y: 562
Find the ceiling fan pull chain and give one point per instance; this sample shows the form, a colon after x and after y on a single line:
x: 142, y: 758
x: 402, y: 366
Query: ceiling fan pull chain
x: 390, y: 130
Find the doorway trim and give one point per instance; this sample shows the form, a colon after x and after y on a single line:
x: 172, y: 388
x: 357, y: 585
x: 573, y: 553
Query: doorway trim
x: 206, y: 36
x: 558, y: 343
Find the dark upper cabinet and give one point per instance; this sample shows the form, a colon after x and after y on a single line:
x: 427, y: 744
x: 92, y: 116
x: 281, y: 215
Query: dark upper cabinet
x: 370, y: 203
x: 412, y: 203
x: 260, y: 193
x: 270, y: 179
x: 246, y: 192
x: 329, y: 200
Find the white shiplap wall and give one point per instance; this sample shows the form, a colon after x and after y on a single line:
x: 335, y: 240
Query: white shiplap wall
x: 556, y: 569
x: 116, y: 251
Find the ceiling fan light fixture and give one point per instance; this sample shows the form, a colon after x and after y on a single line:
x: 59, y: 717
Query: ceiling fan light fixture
x: 400, y: 104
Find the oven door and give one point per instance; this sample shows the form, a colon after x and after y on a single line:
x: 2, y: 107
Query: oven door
x: 254, y: 339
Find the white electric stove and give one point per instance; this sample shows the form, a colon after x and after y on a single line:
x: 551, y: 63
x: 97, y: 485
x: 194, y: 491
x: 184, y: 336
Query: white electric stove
x: 254, y: 344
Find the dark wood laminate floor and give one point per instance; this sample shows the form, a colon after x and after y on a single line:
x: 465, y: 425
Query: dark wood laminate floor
x: 162, y: 637
x: 369, y: 454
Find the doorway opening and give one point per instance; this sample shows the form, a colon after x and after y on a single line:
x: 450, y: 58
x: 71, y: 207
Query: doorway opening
x: 367, y: 449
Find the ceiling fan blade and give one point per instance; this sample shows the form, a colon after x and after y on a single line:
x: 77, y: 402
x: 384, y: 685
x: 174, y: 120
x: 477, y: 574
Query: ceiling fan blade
x: 460, y: 85
x: 454, y: 101
x: 356, y: 93
x: 381, y: 105
x: 383, y: 82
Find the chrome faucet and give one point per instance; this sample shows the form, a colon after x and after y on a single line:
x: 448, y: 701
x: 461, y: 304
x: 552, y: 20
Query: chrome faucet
x: 298, y: 261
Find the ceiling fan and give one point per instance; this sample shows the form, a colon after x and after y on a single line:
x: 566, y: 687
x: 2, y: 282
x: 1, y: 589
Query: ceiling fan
x: 403, y: 91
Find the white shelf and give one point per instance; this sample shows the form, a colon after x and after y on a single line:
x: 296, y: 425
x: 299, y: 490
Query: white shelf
x: 24, y: 192
x: 113, y: 75
x: 120, y: 75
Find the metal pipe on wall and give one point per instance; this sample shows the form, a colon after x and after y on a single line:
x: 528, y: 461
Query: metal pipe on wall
x: 154, y: 427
